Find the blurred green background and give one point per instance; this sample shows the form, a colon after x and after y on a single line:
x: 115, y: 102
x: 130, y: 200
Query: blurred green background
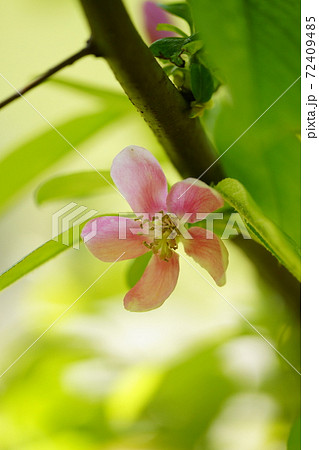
x: 190, y: 375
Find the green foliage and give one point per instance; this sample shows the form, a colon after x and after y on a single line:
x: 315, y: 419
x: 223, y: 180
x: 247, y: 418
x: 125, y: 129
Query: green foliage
x: 181, y: 10
x: 170, y: 49
x: 189, y: 389
x: 44, y: 253
x: 31, y: 158
x: 294, y: 440
x: 193, y: 47
x: 30, y: 262
x: 170, y: 27
x: 255, y: 46
x: 261, y: 228
x: 136, y: 269
x: 190, y: 395
x: 192, y: 77
x: 111, y: 98
x: 202, y: 82
x: 33, y: 399
x: 74, y: 185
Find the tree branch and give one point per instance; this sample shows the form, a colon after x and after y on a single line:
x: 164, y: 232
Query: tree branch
x: 150, y: 90
x: 89, y: 49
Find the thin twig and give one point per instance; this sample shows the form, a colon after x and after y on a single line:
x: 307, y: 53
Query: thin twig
x: 89, y: 49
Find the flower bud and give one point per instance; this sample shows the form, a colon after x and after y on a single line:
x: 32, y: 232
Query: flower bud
x: 153, y: 15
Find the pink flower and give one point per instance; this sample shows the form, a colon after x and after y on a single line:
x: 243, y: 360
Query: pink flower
x: 140, y: 179
x: 153, y: 15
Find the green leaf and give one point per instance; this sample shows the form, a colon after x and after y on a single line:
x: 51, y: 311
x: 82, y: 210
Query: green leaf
x: 30, y: 159
x: 256, y: 48
x: 294, y: 440
x: 136, y: 269
x: 172, y: 48
x: 242, y: 41
x: 181, y: 10
x: 74, y: 185
x: 262, y: 230
x: 170, y: 27
x: 193, y: 47
x: 68, y: 239
x: 105, y: 95
x: 30, y: 262
x: 202, y: 82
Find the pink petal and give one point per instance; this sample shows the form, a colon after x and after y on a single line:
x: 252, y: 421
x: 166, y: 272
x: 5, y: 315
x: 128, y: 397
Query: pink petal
x: 157, y: 283
x: 186, y: 197
x: 153, y: 15
x: 140, y: 178
x: 105, y: 238
x: 209, y: 251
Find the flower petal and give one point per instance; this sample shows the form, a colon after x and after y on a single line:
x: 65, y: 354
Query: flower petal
x: 109, y: 236
x: 157, y: 283
x: 140, y: 178
x: 193, y: 196
x: 209, y: 251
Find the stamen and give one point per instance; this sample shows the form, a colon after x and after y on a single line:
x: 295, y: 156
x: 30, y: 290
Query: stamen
x: 168, y: 232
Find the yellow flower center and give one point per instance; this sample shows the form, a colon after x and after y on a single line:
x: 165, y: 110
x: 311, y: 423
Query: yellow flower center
x: 164, y: 234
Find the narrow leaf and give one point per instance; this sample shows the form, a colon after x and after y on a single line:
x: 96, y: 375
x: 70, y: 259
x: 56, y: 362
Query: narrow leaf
x: 261, y: 228
x: 181, y: 10
x: 68, y: 239
x: 30, y: 159
x: 112, y: 97
x: 202, y: 83
x: 74, y: 185
x: 30, y: 262
x: 170, y: 27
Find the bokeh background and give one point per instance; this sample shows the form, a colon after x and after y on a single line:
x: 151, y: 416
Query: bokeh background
x: 190, y: 375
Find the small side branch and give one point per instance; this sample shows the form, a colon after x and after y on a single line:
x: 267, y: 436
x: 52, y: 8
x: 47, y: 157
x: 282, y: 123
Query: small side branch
x: 89, y: 49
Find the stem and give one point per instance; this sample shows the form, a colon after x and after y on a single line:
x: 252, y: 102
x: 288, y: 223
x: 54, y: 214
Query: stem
x: 87, y: 50
x: 150, y: 90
